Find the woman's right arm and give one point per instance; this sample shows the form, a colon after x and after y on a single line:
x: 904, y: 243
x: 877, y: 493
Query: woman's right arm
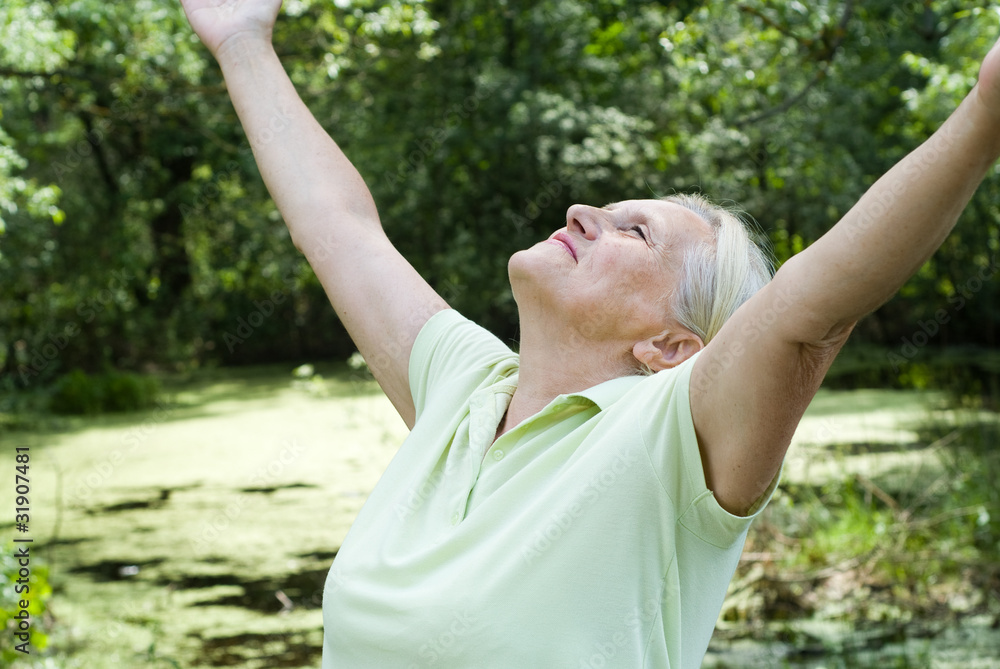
x: 379, y: 297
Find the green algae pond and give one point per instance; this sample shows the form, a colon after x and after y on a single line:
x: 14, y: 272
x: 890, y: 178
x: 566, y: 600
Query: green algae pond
x: 199, y: 534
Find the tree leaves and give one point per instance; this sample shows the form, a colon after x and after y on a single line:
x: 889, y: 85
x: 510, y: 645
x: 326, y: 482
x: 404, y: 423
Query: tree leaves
x: 475, y: 126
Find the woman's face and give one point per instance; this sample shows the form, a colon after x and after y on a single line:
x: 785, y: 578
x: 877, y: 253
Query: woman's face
x: 610, y: 272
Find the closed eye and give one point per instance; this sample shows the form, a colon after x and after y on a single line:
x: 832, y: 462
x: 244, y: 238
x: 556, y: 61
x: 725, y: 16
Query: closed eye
x: 636, y: 228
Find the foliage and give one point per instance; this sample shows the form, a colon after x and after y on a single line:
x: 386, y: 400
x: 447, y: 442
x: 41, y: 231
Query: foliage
x: 37, y: 595
x: 917, y: 542
x: 970, y: 374
x: 135, y: 230
x: 82, y: 393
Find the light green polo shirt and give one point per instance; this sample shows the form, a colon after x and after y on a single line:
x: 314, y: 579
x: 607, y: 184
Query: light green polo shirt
x: 583, y: 538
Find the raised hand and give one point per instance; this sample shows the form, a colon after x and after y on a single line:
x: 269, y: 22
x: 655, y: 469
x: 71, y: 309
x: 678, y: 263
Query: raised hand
x: 218, y: 21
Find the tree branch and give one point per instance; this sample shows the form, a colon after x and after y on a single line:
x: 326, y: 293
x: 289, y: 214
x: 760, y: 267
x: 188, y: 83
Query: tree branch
x: 774, y: 24
x: 14, y: 73
x: 102, y: 160
x: 825, y: 57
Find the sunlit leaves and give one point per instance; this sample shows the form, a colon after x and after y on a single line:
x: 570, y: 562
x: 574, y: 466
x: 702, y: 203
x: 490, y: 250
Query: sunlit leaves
x: 30, y: 39
x: 405, y: 18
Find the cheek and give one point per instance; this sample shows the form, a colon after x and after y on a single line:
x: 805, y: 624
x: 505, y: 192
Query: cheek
x: 623, y: 291
x: 649, y: 294
x: 632, y: 279
x: 616, y: 267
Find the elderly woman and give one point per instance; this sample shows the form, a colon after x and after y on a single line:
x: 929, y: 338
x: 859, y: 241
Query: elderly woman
x: 582, y: 503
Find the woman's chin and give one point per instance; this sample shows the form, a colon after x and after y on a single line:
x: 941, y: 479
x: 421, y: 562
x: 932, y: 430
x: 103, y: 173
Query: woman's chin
x: 523, y: 265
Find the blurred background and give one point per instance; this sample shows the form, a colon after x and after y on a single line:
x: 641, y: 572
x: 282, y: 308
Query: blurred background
x: 151, y: 300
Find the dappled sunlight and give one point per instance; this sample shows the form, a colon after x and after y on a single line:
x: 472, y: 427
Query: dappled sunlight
x: 871, y: 431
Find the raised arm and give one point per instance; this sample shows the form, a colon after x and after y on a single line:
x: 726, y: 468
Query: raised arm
x: 753, y: 382
x: 379, y: 297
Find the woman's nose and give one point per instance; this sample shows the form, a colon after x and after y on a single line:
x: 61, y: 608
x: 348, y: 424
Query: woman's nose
x: 584, y: 220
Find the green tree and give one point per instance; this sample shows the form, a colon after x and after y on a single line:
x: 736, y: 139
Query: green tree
x: 137, y: 230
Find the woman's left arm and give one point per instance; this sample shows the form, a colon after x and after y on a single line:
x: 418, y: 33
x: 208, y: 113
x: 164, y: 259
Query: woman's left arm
x: 755, y: 379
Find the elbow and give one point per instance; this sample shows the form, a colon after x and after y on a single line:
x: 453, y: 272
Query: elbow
x: 298, y: 242
x: 325, y: 237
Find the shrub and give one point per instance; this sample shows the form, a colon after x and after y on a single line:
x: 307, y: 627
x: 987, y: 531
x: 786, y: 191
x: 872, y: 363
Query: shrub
x: 77, y: 393
x: 129, y: 392
x: 82, y: 393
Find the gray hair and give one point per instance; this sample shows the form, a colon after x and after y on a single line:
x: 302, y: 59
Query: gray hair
x: 717, y: 278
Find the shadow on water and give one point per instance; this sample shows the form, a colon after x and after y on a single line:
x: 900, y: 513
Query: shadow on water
x: 134, y: 504
x: 974, y: 644
x: 269, y: 650
x: 302, y: 589
x: 271, y: 596
x: 270, y: 489
x: 114, y: 570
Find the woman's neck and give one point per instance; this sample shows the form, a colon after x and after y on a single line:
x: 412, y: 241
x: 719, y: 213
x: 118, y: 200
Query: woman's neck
x: 553, y: 364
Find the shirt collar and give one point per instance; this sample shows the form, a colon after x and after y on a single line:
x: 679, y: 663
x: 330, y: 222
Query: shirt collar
x: 603, y: 394
x: 607, y: 393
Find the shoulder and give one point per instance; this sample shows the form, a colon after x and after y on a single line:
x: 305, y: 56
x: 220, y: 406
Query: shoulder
x: 450, y: 350
x: 657, y: 409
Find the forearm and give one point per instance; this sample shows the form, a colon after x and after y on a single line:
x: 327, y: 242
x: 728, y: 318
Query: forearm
x: 902, y: 219
x: 308, y: 176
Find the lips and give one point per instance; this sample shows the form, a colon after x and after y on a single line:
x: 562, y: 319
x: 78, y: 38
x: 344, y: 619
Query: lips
x: 564, y: 240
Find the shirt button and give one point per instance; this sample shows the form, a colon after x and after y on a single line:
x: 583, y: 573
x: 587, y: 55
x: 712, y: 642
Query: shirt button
x: 498, y: 455
x: 455, y: 518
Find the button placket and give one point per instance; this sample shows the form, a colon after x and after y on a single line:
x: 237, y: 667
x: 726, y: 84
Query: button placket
x: 480, y: 432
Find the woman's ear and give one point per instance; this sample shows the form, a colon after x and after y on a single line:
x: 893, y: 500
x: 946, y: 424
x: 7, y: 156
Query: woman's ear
x: 667, y: 349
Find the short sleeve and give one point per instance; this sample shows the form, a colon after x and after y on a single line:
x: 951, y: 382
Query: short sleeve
x: 672, y: 444
x: 451, y: 350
